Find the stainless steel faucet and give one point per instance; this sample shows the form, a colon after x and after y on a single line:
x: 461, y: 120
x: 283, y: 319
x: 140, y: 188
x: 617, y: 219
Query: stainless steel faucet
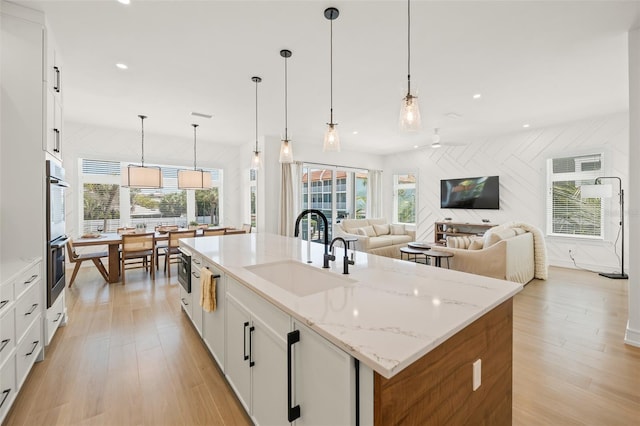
x: 327, y: 256
x: 345, y: 260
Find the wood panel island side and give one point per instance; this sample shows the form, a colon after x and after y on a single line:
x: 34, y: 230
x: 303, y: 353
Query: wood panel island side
x: 393, y: 342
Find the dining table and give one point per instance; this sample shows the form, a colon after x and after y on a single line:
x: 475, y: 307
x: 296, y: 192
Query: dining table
x: 113, y: 241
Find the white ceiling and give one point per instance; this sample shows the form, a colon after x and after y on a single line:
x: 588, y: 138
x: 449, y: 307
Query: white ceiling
x: 533, y: 62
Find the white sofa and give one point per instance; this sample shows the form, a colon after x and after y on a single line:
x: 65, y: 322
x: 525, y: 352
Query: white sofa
x: 504, y: 253
x: 375, y: 236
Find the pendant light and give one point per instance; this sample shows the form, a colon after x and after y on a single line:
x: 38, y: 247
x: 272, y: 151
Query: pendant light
x: 331, y: 138
x: 142, y: 176
x: 286, y: 153
x: 256, y: 160
x: 196, y: 178
x: 410, y: 110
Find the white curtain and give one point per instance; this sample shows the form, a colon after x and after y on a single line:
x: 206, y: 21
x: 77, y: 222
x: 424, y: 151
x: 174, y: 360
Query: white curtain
x: 374, y: 197
x: 287, y: 201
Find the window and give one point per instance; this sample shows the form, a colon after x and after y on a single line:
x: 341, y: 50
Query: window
x: 567, y: 213
x: 404, y: 198
x: 107, y: 206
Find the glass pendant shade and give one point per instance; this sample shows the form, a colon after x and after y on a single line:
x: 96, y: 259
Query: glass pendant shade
x: 194, y: 179
x: 331, y: 139
x: 410, y: 114
x: 286, y: 153
x: 142, y: 177
x: 256, y: 160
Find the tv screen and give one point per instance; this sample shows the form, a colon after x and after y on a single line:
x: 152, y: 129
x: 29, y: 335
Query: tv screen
x: 470, y: 193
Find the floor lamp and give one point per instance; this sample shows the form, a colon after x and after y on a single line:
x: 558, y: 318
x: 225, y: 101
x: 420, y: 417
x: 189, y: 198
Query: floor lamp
x: 603, y: 191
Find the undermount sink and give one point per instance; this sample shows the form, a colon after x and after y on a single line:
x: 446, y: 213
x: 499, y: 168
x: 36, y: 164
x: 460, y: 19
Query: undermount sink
x: 298, y: 278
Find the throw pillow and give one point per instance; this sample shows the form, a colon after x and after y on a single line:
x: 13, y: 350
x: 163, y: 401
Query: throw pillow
x: 498, y: 235
x: 459, y: 242
x: 381, y: 229
x: 518, y: 231
x: 476, y: 244
x: 367, y: 231
x: 397, y: 229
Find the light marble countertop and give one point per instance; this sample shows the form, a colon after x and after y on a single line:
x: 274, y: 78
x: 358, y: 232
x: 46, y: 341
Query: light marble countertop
x: 9, y: 268
x: 394, y: 313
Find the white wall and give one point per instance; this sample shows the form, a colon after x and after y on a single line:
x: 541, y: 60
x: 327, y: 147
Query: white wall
x: 520, y: 161
x: 89, y: 141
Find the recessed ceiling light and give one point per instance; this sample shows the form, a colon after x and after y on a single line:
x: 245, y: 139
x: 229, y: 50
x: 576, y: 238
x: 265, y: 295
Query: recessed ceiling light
x: 355, y: 132
x: 122, y: 66
x: 526, y: 126
x: 477, y: 96
x: 415, y: 147
x: 453, y: 115
x: 124, y: 1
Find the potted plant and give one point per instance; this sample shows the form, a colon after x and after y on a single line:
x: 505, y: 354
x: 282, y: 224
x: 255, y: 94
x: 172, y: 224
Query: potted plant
x: 193, y: 224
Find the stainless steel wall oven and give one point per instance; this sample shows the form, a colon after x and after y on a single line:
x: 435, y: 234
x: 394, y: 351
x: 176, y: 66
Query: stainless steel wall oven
x: 184, y: 270
x: 56, y: 237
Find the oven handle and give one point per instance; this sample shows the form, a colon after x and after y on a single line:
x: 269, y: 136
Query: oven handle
x: 58, y: 182
x: 59, y: 244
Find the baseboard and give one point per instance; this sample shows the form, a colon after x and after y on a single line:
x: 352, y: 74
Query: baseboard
x: 632, y: 337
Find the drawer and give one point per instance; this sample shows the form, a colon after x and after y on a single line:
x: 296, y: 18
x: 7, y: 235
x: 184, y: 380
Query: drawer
x: 6, y: 296
x: 27, y: 309
x: 55, y: 315
x: 7, y: 335
x: 28, y: 351
x: 265, y: 311
x: 196, y: 261
x: 7, y: 385
x: 26, y: 279
x: 185, y: 301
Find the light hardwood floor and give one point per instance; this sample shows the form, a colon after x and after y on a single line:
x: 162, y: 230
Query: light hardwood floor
x: 129, y: 356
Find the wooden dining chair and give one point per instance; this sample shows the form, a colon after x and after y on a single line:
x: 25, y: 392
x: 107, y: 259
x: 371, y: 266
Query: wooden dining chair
x: 246, y: 228
x: 162, y: 245
x: 171, y: 251
x: 138, y: 251
x: 234, y: 231
x: 212, y: 232
x: 79, y: 258
x: 125, y: 230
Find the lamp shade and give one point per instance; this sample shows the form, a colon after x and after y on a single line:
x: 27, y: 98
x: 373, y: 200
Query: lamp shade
x: 331, y: 139
x: 410, y: 114
x: 142, y: 177
x: 596, y: 191
x: 256, y: 160
x: 286, y: 153
x: 194, y: 179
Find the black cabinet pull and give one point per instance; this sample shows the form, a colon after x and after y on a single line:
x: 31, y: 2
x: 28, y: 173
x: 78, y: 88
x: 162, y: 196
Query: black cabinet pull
x: 2, y: 303
x: 292, y: 412
x: 4, y: 343
x: 251, y: 362
x: 58, y: 317
x: 244, y: 341
x: 184, y: 302
x: 356, y: 364
x: 30, y: 280
x: 57, y: 85
x: 5, y: 394
x: 195, y: 275
x: 35, y: 345
x: 33, y: 308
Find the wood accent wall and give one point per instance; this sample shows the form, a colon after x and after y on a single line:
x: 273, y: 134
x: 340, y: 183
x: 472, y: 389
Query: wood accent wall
x: 438, y: 388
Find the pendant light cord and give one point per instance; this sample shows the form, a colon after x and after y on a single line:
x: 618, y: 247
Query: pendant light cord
x: 142, y: 117
x: 256, y: 80
x: 408, y: 47
x: 331, y: 72
x: 194, y: 146
x: 285, y: 100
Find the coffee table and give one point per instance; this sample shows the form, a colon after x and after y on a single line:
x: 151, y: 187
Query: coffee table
x: 438, y: 256
x: 413, y: 252
x: 420, y: 245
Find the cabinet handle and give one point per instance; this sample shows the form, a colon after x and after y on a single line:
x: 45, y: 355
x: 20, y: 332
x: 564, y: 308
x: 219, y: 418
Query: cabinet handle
x: 33, y: 308
x: 4, y: 302
x: 58, y: 317
x: 195, y: 275
x: 56, y: 147
x: 30, y: 280
x: 57, y: 85
x: 196, y: 261
x: 292, y: 412
x: 5, y: 394
x: 4, y: 343
x: 251, y: 362
x: 184, y: 302
x: 35, y: 345
x: 244, y: 341
x: 356, y: 364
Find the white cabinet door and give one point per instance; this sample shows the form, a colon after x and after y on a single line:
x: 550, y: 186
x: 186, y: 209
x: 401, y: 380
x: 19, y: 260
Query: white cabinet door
x: 237, y: 368
x: 185, y: 301
x: 213, y: 322
x: 324, y: 378
x: 196, y: 309
x: 269, y: 374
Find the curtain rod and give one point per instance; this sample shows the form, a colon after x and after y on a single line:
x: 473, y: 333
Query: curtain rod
x: 338, y: 166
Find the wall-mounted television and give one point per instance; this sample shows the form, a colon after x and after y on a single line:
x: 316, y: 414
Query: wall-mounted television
x: 470, y: 193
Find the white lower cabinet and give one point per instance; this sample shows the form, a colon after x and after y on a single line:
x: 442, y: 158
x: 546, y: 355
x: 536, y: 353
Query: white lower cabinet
x: 185, y: 301
x: 8, y: 386
x: 55, y: 316
x: 213, y: 322
x: 196, y: 309
x: 27, y: 352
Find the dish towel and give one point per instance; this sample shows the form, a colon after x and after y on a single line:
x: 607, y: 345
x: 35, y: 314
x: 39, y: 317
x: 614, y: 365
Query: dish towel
x: 207, y: 290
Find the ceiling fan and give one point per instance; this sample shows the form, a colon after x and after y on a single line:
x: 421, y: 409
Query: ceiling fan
x: 436, y: 141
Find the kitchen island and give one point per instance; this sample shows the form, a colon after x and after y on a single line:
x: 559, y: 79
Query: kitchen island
x: 416, y: 332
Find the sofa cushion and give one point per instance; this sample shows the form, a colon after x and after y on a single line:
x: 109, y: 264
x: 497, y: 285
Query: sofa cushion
x: 378, y: 221
x: 350, y: 225
x: 459, y: 242
x: 381, y: 229
x: 367, y: 231
x: 498, y: 235
x: 397, y: 229
x: 399, y: 239
x: 376, y: 242
x: 476, y: 244
x: 518, y: 231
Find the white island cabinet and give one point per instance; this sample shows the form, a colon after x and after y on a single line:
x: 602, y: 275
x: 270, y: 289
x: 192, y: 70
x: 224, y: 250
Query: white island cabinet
x: 213, y: 331
x: 394, y: 342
